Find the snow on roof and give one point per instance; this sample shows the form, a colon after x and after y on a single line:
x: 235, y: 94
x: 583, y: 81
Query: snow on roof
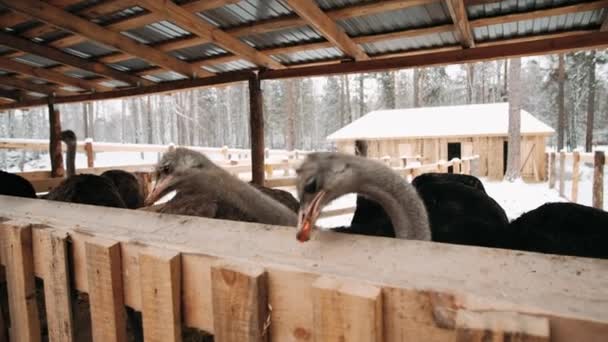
x: 450, y: 121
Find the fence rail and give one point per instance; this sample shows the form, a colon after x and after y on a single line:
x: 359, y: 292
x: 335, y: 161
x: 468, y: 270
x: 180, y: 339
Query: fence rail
x: 250, y: 282
x: 557, y: 174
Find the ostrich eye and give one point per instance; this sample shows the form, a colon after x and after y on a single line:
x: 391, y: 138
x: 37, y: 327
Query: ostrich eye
x: 165, y: 169
x: 311, y: 185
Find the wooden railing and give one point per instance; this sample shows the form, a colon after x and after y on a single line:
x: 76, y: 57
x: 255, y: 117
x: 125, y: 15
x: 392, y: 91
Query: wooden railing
x: 557, y: 174
x: 250, y: 282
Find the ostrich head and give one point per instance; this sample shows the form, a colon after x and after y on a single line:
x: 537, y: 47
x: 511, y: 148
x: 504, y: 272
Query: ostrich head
x: 174, y: 168
x: 322, y: 178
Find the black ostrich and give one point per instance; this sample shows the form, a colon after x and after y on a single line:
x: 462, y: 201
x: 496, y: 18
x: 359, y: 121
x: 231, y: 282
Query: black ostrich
x: 15, y: 185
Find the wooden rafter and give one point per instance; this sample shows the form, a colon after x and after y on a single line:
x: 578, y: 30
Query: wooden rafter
x: 49, y: 75
x: 594, y: 40
x: 65, y: 58
x: 196, y: 25
x: 30, y: 86
x: 458, y: 12
x: 604, y: 26
x: 11, y: 19
x: 15, y: 95
x: 549, y: 12
x: 71, y: 23
x: 315, y: 17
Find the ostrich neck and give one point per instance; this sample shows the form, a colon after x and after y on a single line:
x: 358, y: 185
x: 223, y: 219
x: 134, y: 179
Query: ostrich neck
x: 70, y: 158
x: 398, y: 198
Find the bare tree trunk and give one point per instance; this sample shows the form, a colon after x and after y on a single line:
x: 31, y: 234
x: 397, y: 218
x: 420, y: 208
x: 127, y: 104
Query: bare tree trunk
x: 416, y: 83
x: 361, y: 95
x: 290, y: 138
x: 514, y: 153
x: 470, y: 82
x: 150, y: 117
x: 483, y: 82
x: 349, y: 112
x: 497, y: 94
x: 506, y: 80
x: 123, y: 123
x: 561, y: 113
x: 590, y: 102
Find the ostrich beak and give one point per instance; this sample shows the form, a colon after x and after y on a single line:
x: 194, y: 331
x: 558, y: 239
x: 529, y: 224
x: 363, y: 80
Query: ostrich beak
x: 308, y: 215
x: 159, y: 190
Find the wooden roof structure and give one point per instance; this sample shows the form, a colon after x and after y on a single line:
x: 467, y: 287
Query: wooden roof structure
x: 83, y: 50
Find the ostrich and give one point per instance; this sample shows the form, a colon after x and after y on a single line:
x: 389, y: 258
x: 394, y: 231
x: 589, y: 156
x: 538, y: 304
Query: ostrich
x: 469, y: 180
x: 84, y: 189
x: 324, y: 176
x: 182, y: 159
x: 129, y: 188
x: 205, y: 189
x: 15, y: 185
x: 561, y: 228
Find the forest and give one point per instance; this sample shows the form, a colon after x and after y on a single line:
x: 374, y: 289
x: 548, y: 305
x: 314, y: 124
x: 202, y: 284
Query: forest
x: 300, y: 113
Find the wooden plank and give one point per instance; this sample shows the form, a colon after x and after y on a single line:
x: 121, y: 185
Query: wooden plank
x: 256, y: 129
x: 343, y: 311
x: 240, y: 302
x: 160, y: 277
x: 30, y: 86
x: 562, y: 174
x: 57, y: 288
x: 57, y: 169
x: 458, y: 13
x: 549, y: 12
x: 88, y: 147
x: 598, y: 179
x: 65, y: 58
x: 317, y: 19
x: 552, y: 170
x: 566, y: 289
x: 576, y: 162
x: 18, y: 256
x: 71, y: 23
x: 517, y: 49
x: 49, y: 75
x: 201, y: 28
x: 500, y: 326
x: 104, y: 278
x: 164, y: 87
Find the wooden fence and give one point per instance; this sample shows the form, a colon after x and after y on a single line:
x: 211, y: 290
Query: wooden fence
x: 249, y: 282
x: 557, y: 174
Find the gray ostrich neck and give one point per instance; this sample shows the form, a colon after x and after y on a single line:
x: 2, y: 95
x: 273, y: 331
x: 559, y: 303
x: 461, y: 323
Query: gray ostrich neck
x: 398, y: 198
x: 70, y: 158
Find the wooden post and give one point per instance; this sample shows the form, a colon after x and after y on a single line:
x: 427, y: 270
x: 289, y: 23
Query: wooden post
x: 285, y: 167
x: 500, y: 326
x: 456, y: 164
x: 57, y: 292
x: 466, y: 166
x: 256, y: 128
x: 343, y: 311
x: 55, y: 141
x: 88, y: 147
x: 552, y: 170
x: 576, y: 162
x: 240, y: 303
x: 562, y: 171
x: 104, y: 276
x: 224, y: 153
x: 18, y: 256
x: 598, y: 179
x: 160, y: 278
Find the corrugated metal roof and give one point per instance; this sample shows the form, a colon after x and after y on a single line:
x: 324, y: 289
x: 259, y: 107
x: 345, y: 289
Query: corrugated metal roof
x: 120, y: 15
x: 240, y: 64
x: 89, y: 49
x: 513, y: 6
x: 244, y: 12
x: 198, y: 52
x: 309, y: 56
x: 80, y: 73
x: 303, y: 34
x: 157, y: 32
x: 413, y: 43
x: 572, y: 21
x: 36, y: 60
x: 133, y: 64
x: 165, y: 76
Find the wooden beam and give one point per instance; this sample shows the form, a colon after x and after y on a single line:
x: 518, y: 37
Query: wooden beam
x: 458, y: 12
x: 549, y: 12
x: 18, y: 257
x: 256, y: 129
x: 240, y: 302
x: 317, y: 19
x: 49, y: 75
x: 68, y: 59
x: 29, y: 86
x: 71, y: 23
x: 224, y: 78
x: 196, y: 25
x: 604, y: 26
x: 15, y: 95
x: 57, y: 284
x: 55, y: 154
x: 500, y: 326
x: 594, y: 40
